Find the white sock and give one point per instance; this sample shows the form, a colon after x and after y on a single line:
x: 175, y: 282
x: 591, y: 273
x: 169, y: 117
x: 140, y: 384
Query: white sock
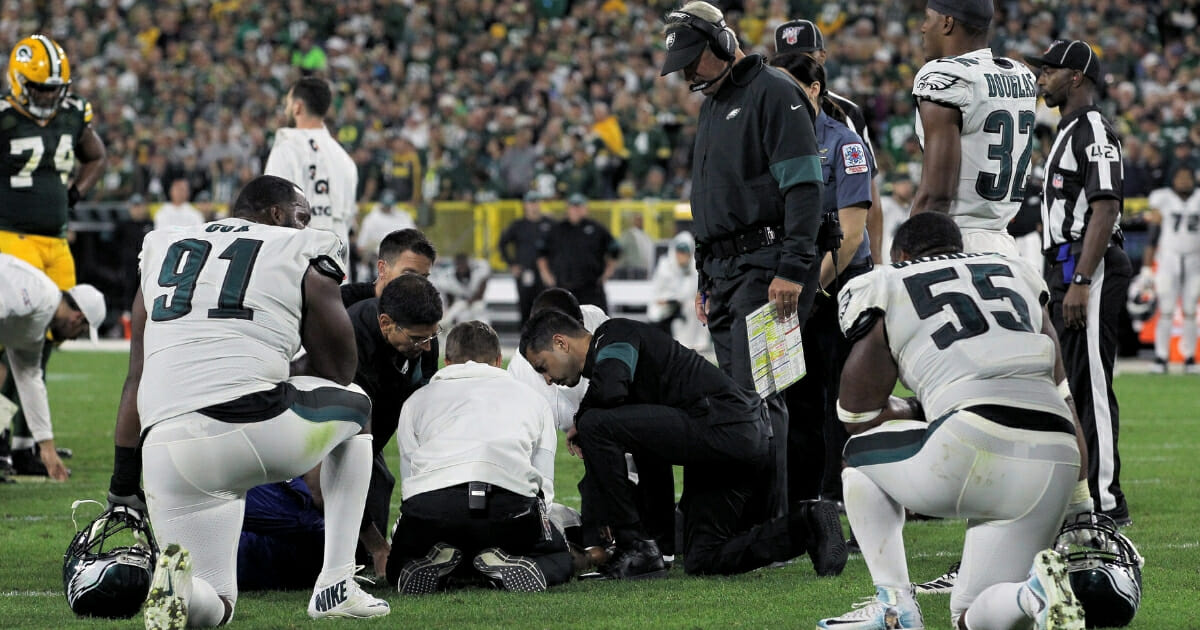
x: 345, y: 477
x: 1162, y: 334
x: 206, y: 609
x: 878, y: 523
x: 999, y: 607
x: 1187, y: 337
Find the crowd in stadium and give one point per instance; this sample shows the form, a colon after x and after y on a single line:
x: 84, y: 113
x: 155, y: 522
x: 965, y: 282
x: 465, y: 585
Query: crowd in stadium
x: 480, y: 99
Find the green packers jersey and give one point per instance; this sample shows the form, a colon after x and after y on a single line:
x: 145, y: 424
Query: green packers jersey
x: 37, y: 163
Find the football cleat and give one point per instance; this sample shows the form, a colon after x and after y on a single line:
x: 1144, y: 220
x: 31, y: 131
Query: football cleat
x: 827, y: 546
x: 511, y: 573
x: 1159, y: 366
x: 941, y: 584
x: 167, y: 603
x: 890, y: 609
x: 345, y: 599
x: 1050, y: 586
x: 426, y: 575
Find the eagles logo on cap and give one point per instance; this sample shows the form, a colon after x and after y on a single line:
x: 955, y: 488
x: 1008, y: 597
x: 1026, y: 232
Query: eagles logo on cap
x: 670, y: 40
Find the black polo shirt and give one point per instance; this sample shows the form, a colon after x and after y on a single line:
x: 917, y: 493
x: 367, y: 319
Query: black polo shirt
x: 387, y: 376
x: 578, y: 253
x: 519, y: 241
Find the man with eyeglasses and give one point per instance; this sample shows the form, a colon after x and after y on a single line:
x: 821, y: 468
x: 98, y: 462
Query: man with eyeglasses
x: 396, y: 336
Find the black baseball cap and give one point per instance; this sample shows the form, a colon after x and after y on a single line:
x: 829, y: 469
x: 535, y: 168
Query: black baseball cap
x: 798, y: 36
x: 684, y: 44
x: 1073, y: 55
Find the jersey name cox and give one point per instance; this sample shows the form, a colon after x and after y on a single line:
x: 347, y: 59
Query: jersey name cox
x: 1009, y: 86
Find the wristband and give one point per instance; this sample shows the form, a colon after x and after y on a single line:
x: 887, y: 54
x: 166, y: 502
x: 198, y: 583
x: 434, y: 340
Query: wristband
x: 1081, y: 492
x: 850, y: 417
x: 127, y: 471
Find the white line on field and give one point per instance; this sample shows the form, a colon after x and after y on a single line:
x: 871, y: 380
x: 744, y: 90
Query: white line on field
x: 30, y: 594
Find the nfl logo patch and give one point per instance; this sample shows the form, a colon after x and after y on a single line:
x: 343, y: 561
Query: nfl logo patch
x: 791, y: 34
x: 1057, y: 182
x: 854, y: 158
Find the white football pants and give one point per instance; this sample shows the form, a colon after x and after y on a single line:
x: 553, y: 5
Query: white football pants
x: 1176, y: 280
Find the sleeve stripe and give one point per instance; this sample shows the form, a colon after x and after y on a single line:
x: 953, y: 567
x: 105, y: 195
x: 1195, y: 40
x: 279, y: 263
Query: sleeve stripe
x: 798, y: 170
x: 621, y: 351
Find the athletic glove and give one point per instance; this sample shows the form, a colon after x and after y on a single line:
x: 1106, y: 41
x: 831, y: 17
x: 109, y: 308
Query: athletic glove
x: 73, y: 196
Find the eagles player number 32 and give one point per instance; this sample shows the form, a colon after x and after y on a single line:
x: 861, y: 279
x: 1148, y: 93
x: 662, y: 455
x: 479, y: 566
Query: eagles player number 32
x: 181, y: 270
x: 1009, y: 182
x: 965, y: 307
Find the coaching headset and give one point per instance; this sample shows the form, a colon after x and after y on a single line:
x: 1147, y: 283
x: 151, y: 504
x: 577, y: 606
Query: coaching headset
x: 721, y: 41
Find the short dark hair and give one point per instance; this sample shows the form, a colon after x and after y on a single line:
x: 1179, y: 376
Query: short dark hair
x: 411, y: 300
x: 406, y: 240
x: 315, y: 94
x: 263, y: 193
x: 926, y: 234
x: 557, y: 299
x: 472, y: 341
x: 541, y: 328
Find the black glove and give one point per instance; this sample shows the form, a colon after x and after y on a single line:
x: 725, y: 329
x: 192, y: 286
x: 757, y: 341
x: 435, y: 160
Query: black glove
x: 73, y: 196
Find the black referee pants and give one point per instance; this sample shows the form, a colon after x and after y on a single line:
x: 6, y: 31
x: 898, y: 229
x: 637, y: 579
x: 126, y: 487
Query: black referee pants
x: 511, y: 522
x: 1088, y: 356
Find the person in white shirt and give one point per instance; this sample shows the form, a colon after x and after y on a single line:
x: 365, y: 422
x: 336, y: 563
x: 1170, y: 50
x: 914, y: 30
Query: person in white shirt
x: 462, y: 287
x: 674, y: 284
x: 178, y: 212
x: 381, y: 220
x: 1175, y: 243
x: 31, y: 304
x: 308, y: 156
x: 476, y: 462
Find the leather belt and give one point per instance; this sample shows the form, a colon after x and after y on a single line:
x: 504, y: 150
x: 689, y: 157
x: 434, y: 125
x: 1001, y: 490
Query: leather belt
x: 744, y: 242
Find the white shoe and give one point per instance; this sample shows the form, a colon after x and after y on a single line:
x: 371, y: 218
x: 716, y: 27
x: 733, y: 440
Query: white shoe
x: 1050, y: 585
x: 1190, y: 366
x: 944, y: 583
x: 345, y: 598
x: 1159, y: 366
x: 888, y: 610
x: 167, y: 604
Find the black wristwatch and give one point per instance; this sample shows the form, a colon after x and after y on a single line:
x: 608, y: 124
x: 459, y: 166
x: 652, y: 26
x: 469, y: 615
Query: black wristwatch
x: 1081, y: 279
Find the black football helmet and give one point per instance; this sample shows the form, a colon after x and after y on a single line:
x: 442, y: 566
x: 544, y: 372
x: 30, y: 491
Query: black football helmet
x: 1105, y: 569
x: 104, y: 580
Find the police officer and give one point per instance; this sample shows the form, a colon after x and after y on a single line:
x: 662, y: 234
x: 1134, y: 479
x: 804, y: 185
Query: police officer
x: 846, y: 169
x: 756, y: 190
x: 579, y: 255
x: 518, y: 247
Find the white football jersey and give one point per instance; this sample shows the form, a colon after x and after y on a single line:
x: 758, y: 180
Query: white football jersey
x: 997, y: 98
x: 223, y: 309
x: 964, y: 329
x: 314, y: 161
x: 1180, y: 229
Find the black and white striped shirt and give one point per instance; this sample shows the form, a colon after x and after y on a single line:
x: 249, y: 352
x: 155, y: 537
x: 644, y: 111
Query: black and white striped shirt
x: 1084, y: 165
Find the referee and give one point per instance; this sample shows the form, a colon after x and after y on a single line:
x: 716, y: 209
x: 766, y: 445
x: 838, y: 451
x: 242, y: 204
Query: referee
x: 1086, y: 268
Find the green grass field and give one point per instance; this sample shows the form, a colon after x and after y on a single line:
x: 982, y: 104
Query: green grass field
x: 1159, y: 441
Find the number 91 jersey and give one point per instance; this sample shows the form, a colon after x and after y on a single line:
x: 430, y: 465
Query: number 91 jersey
x: 223, y: 310
x: 37, y: 163
x: 997, y: 98
x: 964, y: 329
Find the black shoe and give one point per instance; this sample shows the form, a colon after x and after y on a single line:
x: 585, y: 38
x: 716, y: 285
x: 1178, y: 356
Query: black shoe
x: 1119, y: 515
x: 852, y: 544
x: 640, y: 560
x: 509, y: 572
x: 826, y: 543
x: 426, y: 575
x: 27, y: 462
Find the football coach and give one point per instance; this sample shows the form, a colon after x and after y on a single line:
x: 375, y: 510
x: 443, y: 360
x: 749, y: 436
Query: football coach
x: 756, y: 193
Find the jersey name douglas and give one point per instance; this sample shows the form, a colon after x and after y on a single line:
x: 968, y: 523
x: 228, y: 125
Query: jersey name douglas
x: 314, y: 161
x: 997, y: 98
x: 224, y: 305
x: 36, y: 162
x: 964, y: 329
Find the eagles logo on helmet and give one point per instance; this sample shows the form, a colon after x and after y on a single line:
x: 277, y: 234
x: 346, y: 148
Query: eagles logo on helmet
x: 103, y: 581
x: 1105, y: 570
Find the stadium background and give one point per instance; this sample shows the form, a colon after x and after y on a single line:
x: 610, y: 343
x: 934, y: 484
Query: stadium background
x: 455, y: 109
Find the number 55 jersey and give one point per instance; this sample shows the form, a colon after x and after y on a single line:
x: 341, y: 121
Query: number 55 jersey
x: 224, y: 306
x: 996, y: 98
x: 964, y: 329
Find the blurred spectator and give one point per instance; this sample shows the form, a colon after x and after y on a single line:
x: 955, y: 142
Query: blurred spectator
x: 402, y: 171
x: 462, y: 287
x: 579, y: 255
x: 675, y: 282
x: 383, y: 219
x: 178, y: 212
x: 637, y: 250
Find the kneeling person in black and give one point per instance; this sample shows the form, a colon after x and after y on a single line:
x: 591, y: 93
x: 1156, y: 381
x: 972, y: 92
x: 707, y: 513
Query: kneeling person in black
x: 649, y: 395
x: 476, y: 457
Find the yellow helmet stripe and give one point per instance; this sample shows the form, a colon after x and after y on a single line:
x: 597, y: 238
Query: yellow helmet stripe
x: 52, y: 54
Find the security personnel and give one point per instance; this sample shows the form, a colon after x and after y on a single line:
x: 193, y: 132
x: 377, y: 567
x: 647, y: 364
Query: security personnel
x: 518, y: 247
x: 756, y: 192
x: 650, y: 396
x: 1086, y: 267
x: 579, y: 255
x: 815, y: 434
